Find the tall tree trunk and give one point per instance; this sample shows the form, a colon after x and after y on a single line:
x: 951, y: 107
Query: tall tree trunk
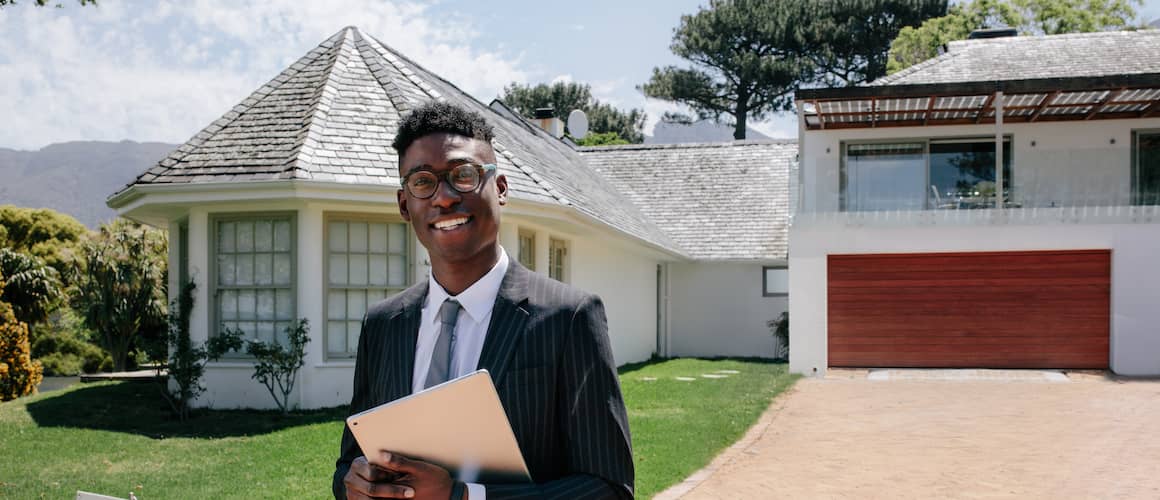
x: 740, y: 114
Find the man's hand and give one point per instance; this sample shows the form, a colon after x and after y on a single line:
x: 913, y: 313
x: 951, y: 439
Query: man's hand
x: 396, y: 476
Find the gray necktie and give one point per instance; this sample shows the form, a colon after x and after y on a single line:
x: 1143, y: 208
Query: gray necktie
x: 440, y: 369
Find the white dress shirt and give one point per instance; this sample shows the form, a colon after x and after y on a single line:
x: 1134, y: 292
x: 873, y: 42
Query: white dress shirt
x: 476, y: 303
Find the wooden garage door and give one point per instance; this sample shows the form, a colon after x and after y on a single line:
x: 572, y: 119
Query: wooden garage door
x: 1044, y: 309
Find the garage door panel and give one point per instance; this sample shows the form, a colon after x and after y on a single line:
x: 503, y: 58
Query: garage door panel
x: 1004, y: 309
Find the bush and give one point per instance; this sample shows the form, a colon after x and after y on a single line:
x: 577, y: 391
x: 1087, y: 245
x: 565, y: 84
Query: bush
x: 276, y: 366
x: 19, y: 374
x: 64, y: 349
x: 780, y: 328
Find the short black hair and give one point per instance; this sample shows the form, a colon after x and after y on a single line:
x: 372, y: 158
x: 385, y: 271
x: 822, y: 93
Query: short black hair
x: 440, y: 117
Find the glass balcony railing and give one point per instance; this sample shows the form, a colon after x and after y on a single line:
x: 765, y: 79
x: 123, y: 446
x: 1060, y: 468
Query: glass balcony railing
x: 1070, y: 185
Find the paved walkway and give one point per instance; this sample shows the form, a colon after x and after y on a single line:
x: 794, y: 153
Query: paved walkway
x: 910, y: 436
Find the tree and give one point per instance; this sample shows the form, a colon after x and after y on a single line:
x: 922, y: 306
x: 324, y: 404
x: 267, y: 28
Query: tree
x: 42, y: 3
x: 32, y: 288
x: 563, y: 97
x: 747, y: 58
x: 601, y: 139
x: 119, y: 286
x: 1029, y: 17
x: 41, y: 232
x: 848, y: 40
x: 19, y: 374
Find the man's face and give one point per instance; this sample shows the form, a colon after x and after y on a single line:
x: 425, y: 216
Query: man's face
x: 468, y: 222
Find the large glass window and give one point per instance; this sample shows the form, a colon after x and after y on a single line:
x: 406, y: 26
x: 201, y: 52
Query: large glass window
x: 367, y: 260
x: 935, y: 174
x: 1146, y: 170
x: 253, y: 285
x: 884, y: 177
x: 962, y: 174
x: 527, y: 250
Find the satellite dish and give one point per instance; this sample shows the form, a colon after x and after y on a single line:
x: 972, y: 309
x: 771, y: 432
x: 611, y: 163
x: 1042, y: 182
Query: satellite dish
x: 578, y: 124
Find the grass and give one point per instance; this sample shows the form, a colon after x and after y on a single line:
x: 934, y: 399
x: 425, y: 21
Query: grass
x: 114, y: 438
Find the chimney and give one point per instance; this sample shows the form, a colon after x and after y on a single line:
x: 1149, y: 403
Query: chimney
x: 546, y: 119
x: 992, y: 33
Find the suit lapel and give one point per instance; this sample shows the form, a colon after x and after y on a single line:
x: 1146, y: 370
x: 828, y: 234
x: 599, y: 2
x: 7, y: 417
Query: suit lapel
x: 402, y: 344
x: 508, y: 319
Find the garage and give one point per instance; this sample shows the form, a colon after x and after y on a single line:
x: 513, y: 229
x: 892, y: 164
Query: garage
x: 1033, y: 309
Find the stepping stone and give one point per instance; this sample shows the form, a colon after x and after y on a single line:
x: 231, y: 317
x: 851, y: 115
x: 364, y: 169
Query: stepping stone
x: 647, y: 379
x: 714, y: 375
x: 730, y: 372
x: 686, y: 379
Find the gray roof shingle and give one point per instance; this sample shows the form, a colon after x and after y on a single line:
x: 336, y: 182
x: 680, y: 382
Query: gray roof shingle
x: 1030, y: 57
x: 331, y: 116
x: 722, y: 201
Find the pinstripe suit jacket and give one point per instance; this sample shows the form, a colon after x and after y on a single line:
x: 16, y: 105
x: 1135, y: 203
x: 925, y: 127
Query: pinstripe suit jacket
x: 547, y: 350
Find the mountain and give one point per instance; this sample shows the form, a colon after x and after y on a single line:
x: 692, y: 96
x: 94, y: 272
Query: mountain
x: 698, y: 131
x: 75, y: 177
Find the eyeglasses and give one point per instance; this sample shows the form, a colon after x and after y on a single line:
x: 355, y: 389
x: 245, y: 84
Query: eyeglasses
x: 464, y: 178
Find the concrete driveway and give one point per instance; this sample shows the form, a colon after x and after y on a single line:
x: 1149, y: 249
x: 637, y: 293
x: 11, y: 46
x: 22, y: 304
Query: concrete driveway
x: 850, y: 437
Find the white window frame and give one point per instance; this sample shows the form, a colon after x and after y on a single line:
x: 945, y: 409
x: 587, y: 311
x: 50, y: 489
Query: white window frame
x: 529, y: 260
x: 408, y: 271
x: 216, y: 288
x: 562, y: 262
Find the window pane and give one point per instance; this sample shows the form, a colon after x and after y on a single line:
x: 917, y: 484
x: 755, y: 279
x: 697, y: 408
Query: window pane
x: 336, y: 336
x: 338, y: 270
x: 378, y: 237
x: 263, y: 236
x: 265, y: 331
x: 398, y: 238
x: 282, y: 236
x: 246, y: 236
x: 378, y: 270
x: 358, y: 269
x: 266, y: 304
x: 226, y: 237
x: 356, y: 304
x: 358, y: 237
x: 247, y: 305
x: 776, y: 281
x: 962, y: 174
x: 228, y: 305
x: 338, y: 236
x: 527, y: 253
x: 1147, y: 178
x: 352, y: 332
x: 249, y: 329
x: 336, y: 304
x: 264, y: 269
x: 245, y: 269
x: 226, y: 269
x: 397, y: 274
x: 284, y: 301
x: 282, y: 269
x: 375, y: 295
x: 884, y: 177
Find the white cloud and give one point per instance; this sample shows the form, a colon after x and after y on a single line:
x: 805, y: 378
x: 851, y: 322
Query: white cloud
x: 162, y: 71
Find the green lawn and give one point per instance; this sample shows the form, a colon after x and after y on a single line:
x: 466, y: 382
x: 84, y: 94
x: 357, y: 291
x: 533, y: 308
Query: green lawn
x: 115, y: 437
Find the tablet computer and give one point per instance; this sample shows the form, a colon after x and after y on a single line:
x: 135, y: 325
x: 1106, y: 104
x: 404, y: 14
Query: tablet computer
x: 459, y: 425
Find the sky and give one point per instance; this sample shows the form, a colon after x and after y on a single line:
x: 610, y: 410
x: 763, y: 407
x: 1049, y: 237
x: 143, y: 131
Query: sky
x: 161, y: 70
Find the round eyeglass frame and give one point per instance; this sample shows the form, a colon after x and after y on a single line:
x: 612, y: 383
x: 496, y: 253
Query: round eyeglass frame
x: 480, y: 173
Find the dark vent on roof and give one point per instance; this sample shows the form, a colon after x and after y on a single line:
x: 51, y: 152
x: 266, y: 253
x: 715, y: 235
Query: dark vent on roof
x: 542, y: 113
x: 992, y: 33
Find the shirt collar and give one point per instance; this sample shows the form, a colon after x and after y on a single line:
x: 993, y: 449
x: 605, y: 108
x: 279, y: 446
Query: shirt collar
x: 479, y: 298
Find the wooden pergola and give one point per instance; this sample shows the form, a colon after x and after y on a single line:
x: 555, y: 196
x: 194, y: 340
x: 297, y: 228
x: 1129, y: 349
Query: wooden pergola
x: 966, y: 103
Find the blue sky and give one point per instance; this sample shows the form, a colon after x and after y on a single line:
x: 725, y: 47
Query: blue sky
x: 161, y: 70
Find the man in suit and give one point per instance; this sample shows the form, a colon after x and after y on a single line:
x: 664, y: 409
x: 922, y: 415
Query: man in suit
x: 545, y: 343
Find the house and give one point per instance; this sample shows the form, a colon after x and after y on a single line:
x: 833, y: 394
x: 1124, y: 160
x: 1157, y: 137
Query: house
x: 284, y: 208
x: 993, y: 207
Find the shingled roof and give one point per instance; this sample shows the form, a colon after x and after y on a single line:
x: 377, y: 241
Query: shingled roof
x: 723, y: 201
x: 1030, y: 57
x: 331, y: 116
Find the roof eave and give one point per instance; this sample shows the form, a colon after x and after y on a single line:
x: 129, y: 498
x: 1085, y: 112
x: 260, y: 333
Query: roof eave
x: 1033, y: 85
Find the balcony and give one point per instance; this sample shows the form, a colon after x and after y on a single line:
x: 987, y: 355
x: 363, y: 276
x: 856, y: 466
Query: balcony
x: 954, y: 183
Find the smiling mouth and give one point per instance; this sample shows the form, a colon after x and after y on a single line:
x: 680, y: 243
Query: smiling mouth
x: 449, y: 224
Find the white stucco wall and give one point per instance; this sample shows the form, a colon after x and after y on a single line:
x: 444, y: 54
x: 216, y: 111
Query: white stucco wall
x: 1071, y: 163
x: 620, y: 270
x: 717, y: 309
x: 1135, y: 279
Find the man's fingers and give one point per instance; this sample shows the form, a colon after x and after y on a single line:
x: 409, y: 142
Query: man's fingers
x: 370, y: 472
x: 357, y: 487
x: 398, y: 463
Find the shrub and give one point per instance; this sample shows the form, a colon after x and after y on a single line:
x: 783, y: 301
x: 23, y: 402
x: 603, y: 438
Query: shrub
x: 277, y: 365
x: 63, y: 347
x: 184, y: 360
x: 19, y: 374
x: 779, y: 326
